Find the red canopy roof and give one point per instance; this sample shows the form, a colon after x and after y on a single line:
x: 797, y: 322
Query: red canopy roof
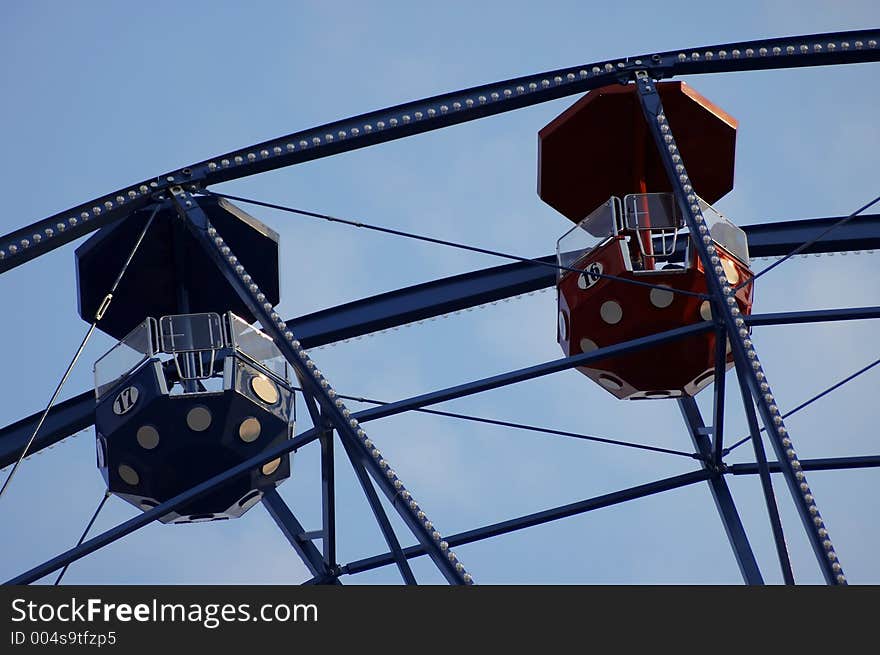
x: 600, y: 147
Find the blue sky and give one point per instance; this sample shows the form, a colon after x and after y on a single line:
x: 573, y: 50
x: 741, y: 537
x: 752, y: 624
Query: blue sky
x: 99, y: 95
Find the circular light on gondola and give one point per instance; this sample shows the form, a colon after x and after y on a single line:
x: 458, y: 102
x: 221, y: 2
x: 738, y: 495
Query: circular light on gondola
x: 730, y: 271
x: 610, y: 382
x: 129, y: 475
x: 611, y: 312
x: 201, y: 518
x: 250, y: 499
x: 563, y: 326
x: 270, y: 467
x: 199, y: 418
x: 588, y: 345
x: 706, y: 310
x: 264, y: 389
x: 661, y: 298
x: 147, y: 437
x: 249, y: 430
x: 704, y: 379
x: 658, y: 394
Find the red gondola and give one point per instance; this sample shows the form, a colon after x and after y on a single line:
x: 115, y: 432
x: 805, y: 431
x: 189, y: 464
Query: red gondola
x: 638, y: 234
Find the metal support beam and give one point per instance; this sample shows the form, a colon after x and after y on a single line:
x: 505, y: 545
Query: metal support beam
x: 328, y: 492
x: 294, y: 531
x: 422, y: 301
x: 733, y: 527
x: 328, y: 497
x: 728, y: 313
x: 381, y: 518
x: 538, y: 518
x: 64, y: 419
x: 718, y: 396
x: 766, y: 482
x: 778, y: 238
x: 316, y: 385
x: 813, y: 316
x: 821, y: 464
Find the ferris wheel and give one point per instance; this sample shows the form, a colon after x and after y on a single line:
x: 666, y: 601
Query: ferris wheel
x: 195, y: 408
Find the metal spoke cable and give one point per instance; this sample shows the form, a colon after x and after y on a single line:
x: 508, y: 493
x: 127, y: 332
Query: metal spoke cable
x: 819, y: 395
x: 85, y: 533
x: 444, y: 242
x: 99, y: 314
x: 531, y: 428
x: 809, y: 243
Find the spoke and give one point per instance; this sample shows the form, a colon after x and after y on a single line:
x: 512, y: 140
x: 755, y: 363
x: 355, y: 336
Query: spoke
x: 294, y: 532
x: 724, y: 503
x: 381, y: 517
x: 718, y: 397
x: 766, y: 482
x: 328, y: 490
x: 822, y: 464
x: 744, y: 353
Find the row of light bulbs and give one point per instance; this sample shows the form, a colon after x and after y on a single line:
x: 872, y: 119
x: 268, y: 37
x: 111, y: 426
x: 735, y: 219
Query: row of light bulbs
x: 408, y: 501
x: 776, y: 428
x: 314, y: 139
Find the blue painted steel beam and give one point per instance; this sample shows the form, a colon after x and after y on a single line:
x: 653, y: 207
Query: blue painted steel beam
x: 814, y: 316
x: 766, y: 482
x: 421, y: 301
x: 64, y: 419
x: 775, y: 239
x: 717, y: 445
x: 821, y: 464
x: 294, y: 531
x: 77, y: 413
x: 733, y: 527
x: 539, y: 518
x: 328, y: 497
x: 328, y: 485
x: 381, y: 518
x: 435, y: 113
x: 744, y: 354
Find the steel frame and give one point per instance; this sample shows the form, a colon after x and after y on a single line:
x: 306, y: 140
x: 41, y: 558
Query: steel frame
x: 749, y: 369
x: 435, y: 113
x: 415, y: 303
x: 733, y: 527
